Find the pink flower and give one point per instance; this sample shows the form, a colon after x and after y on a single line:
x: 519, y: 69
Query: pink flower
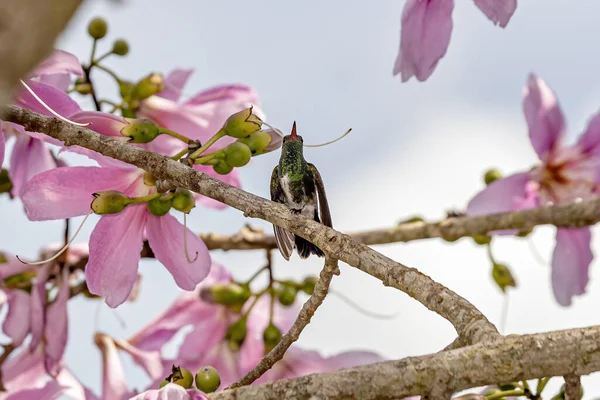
x: 117, y: 240
x: 565, y: 174
x: 426, y: 30
x: 56, y: 70
x: 171, y: 391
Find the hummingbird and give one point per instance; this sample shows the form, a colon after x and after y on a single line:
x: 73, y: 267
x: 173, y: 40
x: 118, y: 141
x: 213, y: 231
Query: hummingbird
x: 298, y: 184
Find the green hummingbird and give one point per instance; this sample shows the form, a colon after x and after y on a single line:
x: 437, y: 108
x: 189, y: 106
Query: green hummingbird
x: 298, y: 184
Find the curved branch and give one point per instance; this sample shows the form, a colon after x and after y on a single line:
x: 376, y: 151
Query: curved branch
x: 469, y: 322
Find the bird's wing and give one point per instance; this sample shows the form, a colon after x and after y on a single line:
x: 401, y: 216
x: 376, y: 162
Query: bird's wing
x: 283, y: 237
x: 324, y: 212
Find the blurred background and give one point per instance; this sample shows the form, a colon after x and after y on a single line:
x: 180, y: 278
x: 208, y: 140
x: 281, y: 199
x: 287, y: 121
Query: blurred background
x: 416, y: 148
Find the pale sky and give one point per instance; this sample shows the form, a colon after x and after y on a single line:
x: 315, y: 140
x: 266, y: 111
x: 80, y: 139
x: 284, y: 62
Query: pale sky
x: 416, y: 148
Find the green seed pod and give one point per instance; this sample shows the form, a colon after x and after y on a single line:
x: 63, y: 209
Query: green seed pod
x: 242, y: 124
x: 148, y: 86
x: 491, y: 175
x: 183, y: 200
x: 83, y: 87
x: 236, y: 333
x: 226, y: 294
x: 97, y: 28
x: 163, y: 384
x: 120, y: 47
x: 271, y: 337
x: 182, y: 377
x: 208, y: 379
x: 502, y: 276
x: 140, y: 130
x: 482, y: 239
x: 308, y: 285
x: 5, y: 182
x: 160, y: 206
x: 237, y: 154
x: 257, y: 142
x: 222, y: 168
x: 125, y: 89
x: 287, y: 295
x: 109, y: 202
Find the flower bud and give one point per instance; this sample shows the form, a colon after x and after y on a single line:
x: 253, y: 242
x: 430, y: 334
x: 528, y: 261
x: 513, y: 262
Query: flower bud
x: 236, y: 334
x: 242, y: 124
x: 308, y: 285
x: 163, y: 384
x: 237, y: 154
x: 140, y: 130
x: 109, y: 202
x: 148, y: 86
x: 125, y: 89
x: 83, y: 87
x: 482, y: 239
x: 183, y: 200
x: 287, y: 295
x: 276, y: 140
x: 222, y: 168
x: 257, y: 142
x: 226, y: 294
x: 491, y: 175
x: 5, y: 182
x: 120, y: 47
x: 182, y: 377
x: 502, y: 276
x: 160, y: 206
x: 271, y: 337
x: 97, y: 28
x: 208, y: 379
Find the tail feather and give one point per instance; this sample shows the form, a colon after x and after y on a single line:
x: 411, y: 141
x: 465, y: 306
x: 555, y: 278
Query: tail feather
x: 306, y: 248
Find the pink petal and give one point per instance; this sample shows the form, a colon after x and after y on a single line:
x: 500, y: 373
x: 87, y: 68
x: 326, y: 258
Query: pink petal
x: 150, y: 361
x: 115, y: 246
x: 283, y: 317
x: 74, y: 389
x: 17, y: 324
x: 29, y: 157
x: 233, y: 179
x: 13, y: 266
x: 67, y: 192
x: 209, y: 331
x: 424, y: 37
x: 175, y: 82
x: 170, y: 391
x: 503, y: 195
x: 24, y: 370
x: 351, y: 359
x: 165, y: 236
x: 55, y: 98
x: 544, y: 116
x: 589, y: 141
x: 498, y: 11
x: 59, y: 62
x: 103, y: 123
x: 113, y: 377
x: 57, y: 328
x: 570, y: 263
x: 38, y: 306
x: 52, y: 390
x: 243, y: 95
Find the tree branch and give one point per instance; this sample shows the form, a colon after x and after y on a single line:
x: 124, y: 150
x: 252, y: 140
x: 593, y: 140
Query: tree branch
x: 469, y: 322
x: 572, y: 387
x: 308, y: 310
x: 509, y: 359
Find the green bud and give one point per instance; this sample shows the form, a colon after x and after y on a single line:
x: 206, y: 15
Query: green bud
x: 97, y: 28
x: 183, y: 200
x: 237, y: 154
x: 222, y: 168
x: 491, y: 175
x: 125, y: 89
x: 287, y: 295
x: 83, y: 87
x: 502, y: 276
x: 5, y: 182
x: 163, y: 384
x: 140, y: 130
x: 148, y: 86
x: 149, y: 179
x: 236, y: 334
x: 120, y: 47
x: 225, y: 293
x: 3, y: 259
x: 182, y: 377
x: 128, y: 112
x: 410, y: 220
x: 109, y: 202
x: 507, y: 386
x: 271, y: 337
x: 160, y: 206
x: 482, y: 239
x: 308, y: 285
x: 242, y: 124
x: 208, y: 379
x: 257, y: 142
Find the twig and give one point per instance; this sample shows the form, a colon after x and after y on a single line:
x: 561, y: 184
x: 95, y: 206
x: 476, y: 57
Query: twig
x: 466, y: 319
x: 8, y: 349
x: 509, y: 359
x: 572, y: 387
x: 303, y: 319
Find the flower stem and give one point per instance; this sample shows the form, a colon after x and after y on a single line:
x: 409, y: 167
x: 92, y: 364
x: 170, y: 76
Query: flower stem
x: 110, y: 72
x: 144, y: 199
x: 180, y: 154
x: 209, y: 143
x: 204, y: 160
x: 176, y: 135
x: 102, y: 57
x: 506, y: 393
x: 541, y: 385
x: 256, y: 274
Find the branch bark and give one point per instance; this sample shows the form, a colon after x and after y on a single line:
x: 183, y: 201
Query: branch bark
x: 509, y: 359
x: 469, y: 322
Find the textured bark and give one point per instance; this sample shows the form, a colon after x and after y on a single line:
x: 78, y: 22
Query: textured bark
x: 28, y: 29
x: 469, y: 322
x: 510, y: 359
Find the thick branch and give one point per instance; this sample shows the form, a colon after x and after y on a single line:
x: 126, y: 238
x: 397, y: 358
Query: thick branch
x: 308, y: 310
x: 510, y: 359
x: 467, y: 320
x: 572, y: 387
